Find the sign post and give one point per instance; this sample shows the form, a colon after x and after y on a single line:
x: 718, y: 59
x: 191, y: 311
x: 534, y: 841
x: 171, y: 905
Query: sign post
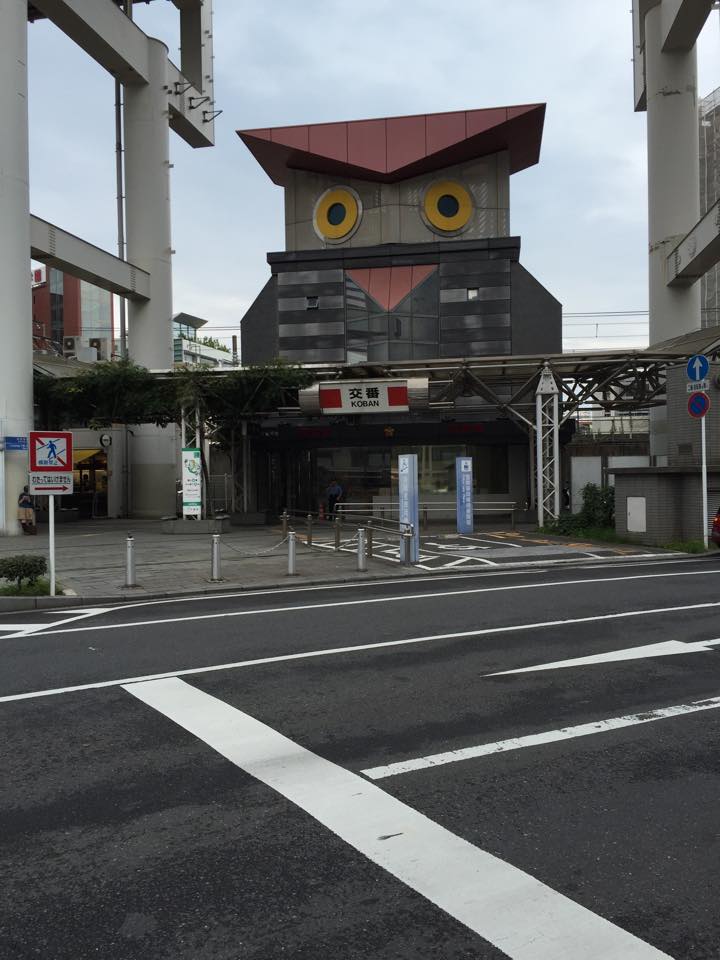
x: 464, y: 494
x: 704, y: 483
x: 51, y: 465
x: 698, y: 368
x: 191, y: 483
x: 408, y: 507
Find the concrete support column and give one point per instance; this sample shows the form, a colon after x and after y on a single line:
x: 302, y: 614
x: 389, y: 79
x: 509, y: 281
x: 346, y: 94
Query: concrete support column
x: 16, y: 371
x: 152, y: 450
x: 673, y: 189
x: 147, y: 210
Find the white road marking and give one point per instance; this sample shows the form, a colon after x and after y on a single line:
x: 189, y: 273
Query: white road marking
x: 494, y: 543
x: 522, y: 917
x: 449, y: 548
x: 28, y: 629
x: 539, y: 739
x: 497, y: 571
x: 666, y: 648
x: 399, y: 598
x: 334, y: 651
x: 310, y: 588
x: 561, y: 623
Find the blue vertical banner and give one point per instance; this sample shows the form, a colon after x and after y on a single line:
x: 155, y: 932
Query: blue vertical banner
x: 464, y: 493
x: 408, y: 502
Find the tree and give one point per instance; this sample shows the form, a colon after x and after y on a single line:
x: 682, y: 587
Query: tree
x: 112, y: 392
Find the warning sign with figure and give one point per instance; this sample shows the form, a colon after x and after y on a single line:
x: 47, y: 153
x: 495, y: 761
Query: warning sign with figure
x: 51, y: 452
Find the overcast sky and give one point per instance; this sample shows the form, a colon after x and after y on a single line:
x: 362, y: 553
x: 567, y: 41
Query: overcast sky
x: 581, y: 212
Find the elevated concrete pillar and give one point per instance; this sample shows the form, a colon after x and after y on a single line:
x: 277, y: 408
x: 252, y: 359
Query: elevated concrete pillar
x: 673, y: 188
x: 153, y: 451
x: 147, y: 210
x: 16, y: 362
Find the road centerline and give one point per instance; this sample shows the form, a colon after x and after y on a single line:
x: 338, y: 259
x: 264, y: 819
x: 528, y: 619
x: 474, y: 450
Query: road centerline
x: 523, y: 917
x: 354, y: 648
x: 607, y: 725
x: 401, y: 598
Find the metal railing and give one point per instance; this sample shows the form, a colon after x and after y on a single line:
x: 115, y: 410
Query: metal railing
x: 366, y: 527
x: 425, y: 508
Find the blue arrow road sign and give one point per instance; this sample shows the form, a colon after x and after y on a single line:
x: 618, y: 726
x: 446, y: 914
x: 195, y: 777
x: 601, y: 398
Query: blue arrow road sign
x: 698, y: 367
x: 698, y: 405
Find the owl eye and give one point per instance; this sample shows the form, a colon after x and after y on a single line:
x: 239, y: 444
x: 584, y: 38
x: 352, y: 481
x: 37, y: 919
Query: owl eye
x: 337, y: 214
x: 447, y: 206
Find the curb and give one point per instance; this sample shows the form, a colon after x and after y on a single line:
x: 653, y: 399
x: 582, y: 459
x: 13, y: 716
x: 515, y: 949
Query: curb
x: 15, y: 604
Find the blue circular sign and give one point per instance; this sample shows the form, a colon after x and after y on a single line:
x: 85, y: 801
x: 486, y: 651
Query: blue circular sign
x: 698, y: 405
x: 698, y: 367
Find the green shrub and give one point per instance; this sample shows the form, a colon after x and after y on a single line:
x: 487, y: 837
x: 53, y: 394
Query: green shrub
x: 22, y: 567
x: 598, y: 509
x: 597, y: 514
x: 686, y: 546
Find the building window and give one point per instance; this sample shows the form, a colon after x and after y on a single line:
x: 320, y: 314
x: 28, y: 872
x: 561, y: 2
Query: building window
x: 473, y: 293
x: 312, y: 303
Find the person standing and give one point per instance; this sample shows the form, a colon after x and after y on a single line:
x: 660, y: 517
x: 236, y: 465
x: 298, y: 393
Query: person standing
x: 334, y: 493
x: 26, y: 512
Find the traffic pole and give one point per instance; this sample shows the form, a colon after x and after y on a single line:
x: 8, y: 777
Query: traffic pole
x: 51, y: 541
x: 704, y: 483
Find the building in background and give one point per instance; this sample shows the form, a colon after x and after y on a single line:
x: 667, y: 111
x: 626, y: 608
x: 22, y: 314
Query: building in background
x: 709, y: 195
x: 190, y: 349
x: 71, y: 317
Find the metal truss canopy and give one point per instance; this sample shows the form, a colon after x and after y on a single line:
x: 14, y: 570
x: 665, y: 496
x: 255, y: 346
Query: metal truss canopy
x: 609, y: 380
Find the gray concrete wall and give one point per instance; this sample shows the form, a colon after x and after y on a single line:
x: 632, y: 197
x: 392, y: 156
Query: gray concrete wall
x: 684, y: 447
x: 155, y: 470
x: 392, y: 213
x: 673, y: 504
x: 663, y: 497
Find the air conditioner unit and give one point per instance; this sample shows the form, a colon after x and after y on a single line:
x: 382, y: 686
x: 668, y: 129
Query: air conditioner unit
x: 102, y: 345
x: 71, y: 345
x: 87, y: 354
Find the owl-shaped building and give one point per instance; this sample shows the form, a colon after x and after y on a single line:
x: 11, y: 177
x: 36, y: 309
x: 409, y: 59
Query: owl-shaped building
x: 398, y: 246
x: 398, y: 249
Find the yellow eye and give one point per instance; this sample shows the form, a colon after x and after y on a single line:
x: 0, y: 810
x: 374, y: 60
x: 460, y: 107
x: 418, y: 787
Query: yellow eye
x: 337, y: 213
x: 447, y: 206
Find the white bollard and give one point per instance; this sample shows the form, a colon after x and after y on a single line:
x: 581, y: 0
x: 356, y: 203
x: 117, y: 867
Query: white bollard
x: 361, y: 553
x: 291, y: 554
x: 130, y: 561
x: 215, y: 571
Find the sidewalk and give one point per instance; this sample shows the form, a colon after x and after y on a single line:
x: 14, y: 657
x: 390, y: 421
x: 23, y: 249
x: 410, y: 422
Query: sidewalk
x: 90, y: 558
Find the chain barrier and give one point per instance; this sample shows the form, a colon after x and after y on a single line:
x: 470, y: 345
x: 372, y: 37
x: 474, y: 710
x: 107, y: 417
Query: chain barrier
x: 256, y: 553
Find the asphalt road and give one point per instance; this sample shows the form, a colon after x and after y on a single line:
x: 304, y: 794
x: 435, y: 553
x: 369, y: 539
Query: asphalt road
x: 355, y: 771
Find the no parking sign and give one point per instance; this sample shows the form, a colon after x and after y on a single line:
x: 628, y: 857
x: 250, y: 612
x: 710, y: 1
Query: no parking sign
x: 698, y: 405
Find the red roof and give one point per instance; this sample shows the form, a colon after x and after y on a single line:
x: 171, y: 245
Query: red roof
x: 396, y: 148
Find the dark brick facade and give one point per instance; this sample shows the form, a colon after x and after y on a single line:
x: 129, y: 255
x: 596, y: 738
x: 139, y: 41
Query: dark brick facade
x: 478, y: 301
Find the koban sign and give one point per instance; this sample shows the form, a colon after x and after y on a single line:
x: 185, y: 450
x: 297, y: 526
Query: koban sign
x: 342, y: 397
x: 364, y: 397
